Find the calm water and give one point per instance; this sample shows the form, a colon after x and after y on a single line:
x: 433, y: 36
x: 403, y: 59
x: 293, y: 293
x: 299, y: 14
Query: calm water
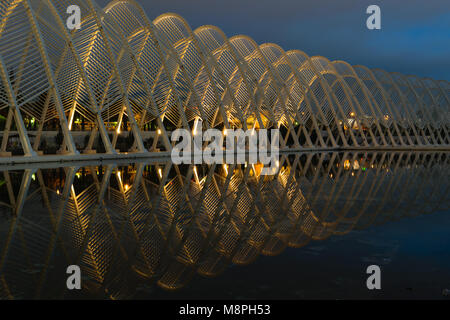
x: 160, y: 231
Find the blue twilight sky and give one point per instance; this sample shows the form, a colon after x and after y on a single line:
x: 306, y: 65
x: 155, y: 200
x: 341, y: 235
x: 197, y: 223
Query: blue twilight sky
x: 414, y: 36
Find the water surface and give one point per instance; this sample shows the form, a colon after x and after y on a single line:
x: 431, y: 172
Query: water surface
x: 155, y: 230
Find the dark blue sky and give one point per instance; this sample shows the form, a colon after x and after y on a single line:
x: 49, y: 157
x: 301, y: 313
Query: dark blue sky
x: 414, y: 39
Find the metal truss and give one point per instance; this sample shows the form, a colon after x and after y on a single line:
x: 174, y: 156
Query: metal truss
x: 122, y: 67
x: 160, y: 223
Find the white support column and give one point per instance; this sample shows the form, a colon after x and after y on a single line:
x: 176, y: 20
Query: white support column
x: 51, y: 79
x: 25, y: 141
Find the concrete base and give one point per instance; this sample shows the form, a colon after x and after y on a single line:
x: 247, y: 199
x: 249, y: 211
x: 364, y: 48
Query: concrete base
x: 48, y: 161
x: 89, y: 151
x: 5, y: 154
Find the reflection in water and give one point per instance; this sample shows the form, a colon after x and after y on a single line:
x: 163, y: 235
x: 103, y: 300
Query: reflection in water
x: 160, y: 223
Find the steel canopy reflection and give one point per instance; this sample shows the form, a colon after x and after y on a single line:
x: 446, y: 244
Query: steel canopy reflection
x: 162, y: 223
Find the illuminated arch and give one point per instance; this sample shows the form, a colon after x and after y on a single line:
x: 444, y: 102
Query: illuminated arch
x: 120, y: 65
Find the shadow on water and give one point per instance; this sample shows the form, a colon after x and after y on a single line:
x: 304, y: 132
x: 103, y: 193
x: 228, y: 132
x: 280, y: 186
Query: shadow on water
x: 159, y: 230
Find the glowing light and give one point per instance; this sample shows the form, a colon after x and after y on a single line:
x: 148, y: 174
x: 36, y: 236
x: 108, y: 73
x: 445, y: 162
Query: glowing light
x: 224, y: 132
x: 126, y: 187
x: 71, y: 120
x: 158, y: 131
x: 352, y: 114
x: 225, y: 167
x: 347, y: 164
x: 160, y: 173
x: 33, y: 177
x: 196, y: 175
x: 257, y: 169
x: 194, y: 131
x: 120, y: 178
x: 57, y: 191
x: 118, y: 126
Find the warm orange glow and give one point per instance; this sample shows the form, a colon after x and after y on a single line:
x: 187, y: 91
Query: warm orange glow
x: 196, y: 175
x: 347, y: 164
x: 118, y: 126
x: 71, y: 121
x: 257, y: 168
x: 194, y: 130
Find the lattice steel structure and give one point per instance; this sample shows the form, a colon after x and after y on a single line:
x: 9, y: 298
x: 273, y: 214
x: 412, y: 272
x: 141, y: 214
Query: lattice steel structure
x: 123, y: 72
x: 160, y: 223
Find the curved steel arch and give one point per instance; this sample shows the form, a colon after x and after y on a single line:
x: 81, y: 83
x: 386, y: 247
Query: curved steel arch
x: 121, y: 67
